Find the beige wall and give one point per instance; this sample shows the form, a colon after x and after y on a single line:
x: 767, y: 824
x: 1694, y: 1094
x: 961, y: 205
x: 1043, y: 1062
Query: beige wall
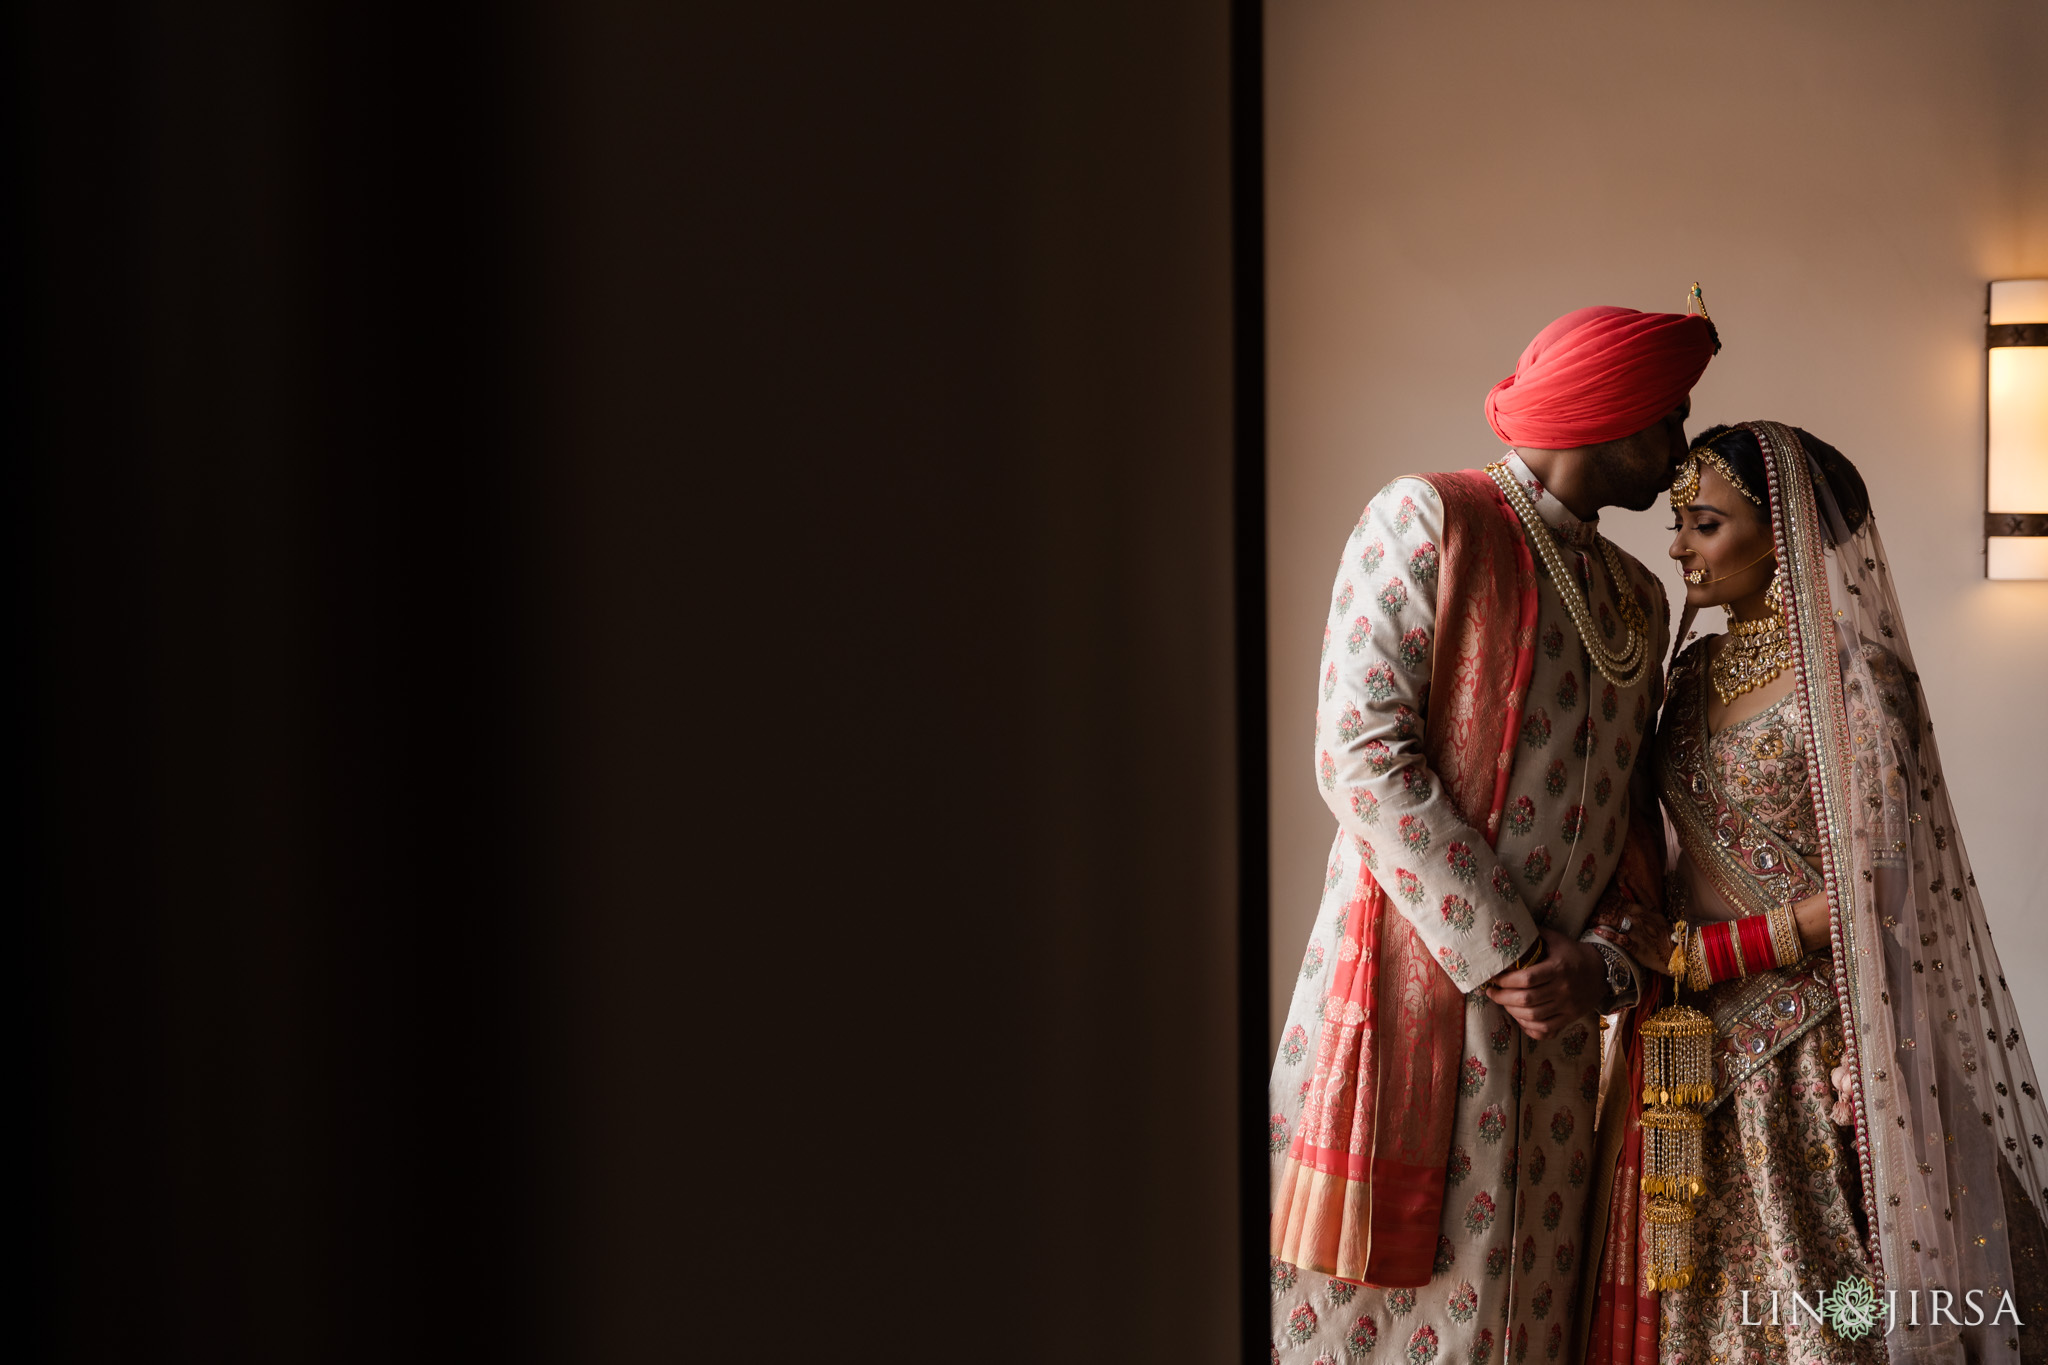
x: 1842, y: 178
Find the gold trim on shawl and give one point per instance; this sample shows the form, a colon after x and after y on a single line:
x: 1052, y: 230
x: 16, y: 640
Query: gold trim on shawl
x: 1802, y: 563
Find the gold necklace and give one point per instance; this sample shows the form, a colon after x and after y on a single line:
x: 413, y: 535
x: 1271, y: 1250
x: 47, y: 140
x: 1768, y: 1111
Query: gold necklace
x: 1629, y: 665
x: 1754, y: 653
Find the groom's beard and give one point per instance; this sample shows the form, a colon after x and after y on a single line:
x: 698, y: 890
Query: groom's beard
x: 1643, y: 500
x: 1642, y: 475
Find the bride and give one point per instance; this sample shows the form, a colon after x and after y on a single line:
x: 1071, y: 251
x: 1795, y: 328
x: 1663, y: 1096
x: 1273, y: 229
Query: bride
x: 1867, y: 1113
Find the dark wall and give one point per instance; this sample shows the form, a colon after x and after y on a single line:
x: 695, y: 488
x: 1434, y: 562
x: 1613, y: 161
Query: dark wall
x: 627, y: 719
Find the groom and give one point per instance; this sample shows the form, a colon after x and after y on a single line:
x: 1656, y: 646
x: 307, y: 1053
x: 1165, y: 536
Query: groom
x: 1490, y: 670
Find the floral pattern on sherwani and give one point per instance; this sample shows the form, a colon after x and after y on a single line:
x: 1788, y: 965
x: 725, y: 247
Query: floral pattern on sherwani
x: 1361, y: 1192
x: 1510, y: 1247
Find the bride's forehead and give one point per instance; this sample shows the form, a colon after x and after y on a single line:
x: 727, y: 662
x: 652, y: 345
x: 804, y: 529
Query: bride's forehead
x: 1715, y: 488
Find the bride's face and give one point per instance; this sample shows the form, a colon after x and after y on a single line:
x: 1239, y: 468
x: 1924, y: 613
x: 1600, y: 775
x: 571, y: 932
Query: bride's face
x: 1723, y: 544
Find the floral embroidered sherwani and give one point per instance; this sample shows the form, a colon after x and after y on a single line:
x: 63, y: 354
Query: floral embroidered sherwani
x: 1511, y: 1252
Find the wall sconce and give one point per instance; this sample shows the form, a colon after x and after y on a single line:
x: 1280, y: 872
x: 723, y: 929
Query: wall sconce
x: 2016, y: 431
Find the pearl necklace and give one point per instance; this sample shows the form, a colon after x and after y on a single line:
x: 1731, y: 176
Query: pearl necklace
x: 1624, y: 668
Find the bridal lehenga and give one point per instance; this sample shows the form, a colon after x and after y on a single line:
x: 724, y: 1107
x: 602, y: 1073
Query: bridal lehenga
x: 1874, y: 1117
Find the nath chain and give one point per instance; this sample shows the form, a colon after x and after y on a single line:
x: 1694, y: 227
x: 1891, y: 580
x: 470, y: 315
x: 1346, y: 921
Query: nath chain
x: 1631, y: 664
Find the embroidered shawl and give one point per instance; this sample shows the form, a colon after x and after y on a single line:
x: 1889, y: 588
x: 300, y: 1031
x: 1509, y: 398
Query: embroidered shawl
x: 1361, y: 1193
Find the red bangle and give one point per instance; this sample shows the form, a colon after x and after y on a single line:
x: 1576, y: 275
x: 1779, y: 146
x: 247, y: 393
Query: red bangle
x: 1757, y: 948
x: 1718, y: 951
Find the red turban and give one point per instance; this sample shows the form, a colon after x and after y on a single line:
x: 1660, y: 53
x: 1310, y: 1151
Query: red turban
x: 1599, y: 374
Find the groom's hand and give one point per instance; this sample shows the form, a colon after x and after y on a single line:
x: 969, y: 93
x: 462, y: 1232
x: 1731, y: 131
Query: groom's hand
x: 1647, y: 938
x: 1565, y: 986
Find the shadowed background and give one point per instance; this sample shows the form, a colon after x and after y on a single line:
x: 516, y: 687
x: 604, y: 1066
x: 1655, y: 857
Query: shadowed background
x: 625, y: 631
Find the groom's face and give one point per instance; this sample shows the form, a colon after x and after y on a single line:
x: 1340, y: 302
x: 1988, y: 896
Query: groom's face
x: 1641, y: 467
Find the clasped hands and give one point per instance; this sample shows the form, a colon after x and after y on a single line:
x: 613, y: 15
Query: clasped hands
x: 1564, y: 985
x: 1647, y: 937
x: 1570, y: 980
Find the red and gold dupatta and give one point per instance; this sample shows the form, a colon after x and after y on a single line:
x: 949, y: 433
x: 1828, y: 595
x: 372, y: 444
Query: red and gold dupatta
x: 1618, y: 1320
x: 1624, y: 1325
x: 1361, y: 1193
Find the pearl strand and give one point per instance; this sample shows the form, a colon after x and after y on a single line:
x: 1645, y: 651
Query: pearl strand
x: 1629, y: 666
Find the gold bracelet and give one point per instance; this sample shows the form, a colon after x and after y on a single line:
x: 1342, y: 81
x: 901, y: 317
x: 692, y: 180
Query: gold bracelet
x: 1696, y: 974
x: 1785, y: 940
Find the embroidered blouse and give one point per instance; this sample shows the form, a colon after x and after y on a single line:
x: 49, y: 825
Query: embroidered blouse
x: 1760, y: 762
x: 1739, y: 798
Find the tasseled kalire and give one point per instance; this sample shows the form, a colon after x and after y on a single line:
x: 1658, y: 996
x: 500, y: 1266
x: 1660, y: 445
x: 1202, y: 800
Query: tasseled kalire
x: 1678, y: 1056
x: 1677, y: 1079
x: 1672, y: 1155
x: 1670, y: 1223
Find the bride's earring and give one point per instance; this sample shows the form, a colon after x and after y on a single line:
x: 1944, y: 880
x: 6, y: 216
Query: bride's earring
x: 1774, y: 596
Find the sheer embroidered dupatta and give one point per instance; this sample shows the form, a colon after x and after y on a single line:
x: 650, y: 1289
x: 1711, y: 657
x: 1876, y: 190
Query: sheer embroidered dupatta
x: 1945, y: 1094
x: 1949, y: 1119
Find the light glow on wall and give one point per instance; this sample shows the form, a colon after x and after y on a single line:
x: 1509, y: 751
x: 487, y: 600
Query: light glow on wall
x: 2016, y: 466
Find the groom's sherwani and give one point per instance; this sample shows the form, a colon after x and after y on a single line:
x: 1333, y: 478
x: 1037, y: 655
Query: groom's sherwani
x: 1511, y: 1247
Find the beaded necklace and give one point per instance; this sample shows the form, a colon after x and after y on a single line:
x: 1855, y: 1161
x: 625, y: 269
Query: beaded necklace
x: 1754, y: 652
x: 1629, y: 665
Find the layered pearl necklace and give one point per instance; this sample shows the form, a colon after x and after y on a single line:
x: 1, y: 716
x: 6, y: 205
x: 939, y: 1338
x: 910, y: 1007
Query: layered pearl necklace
x: 1629, y: 665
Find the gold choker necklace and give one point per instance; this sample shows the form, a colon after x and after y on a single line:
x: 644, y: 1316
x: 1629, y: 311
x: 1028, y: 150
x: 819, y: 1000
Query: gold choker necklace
x: 1754, y: 653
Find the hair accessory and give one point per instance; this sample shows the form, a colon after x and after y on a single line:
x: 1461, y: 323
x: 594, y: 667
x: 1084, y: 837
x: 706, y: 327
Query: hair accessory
x: 1686, y: 486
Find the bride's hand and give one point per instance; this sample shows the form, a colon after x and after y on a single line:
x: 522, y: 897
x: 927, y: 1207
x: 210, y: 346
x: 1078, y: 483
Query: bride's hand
x: 1811, y: 915
x: 1647, y: 938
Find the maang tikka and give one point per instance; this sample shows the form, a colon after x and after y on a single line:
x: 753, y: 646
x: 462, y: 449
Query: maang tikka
x: 1685, y: 487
